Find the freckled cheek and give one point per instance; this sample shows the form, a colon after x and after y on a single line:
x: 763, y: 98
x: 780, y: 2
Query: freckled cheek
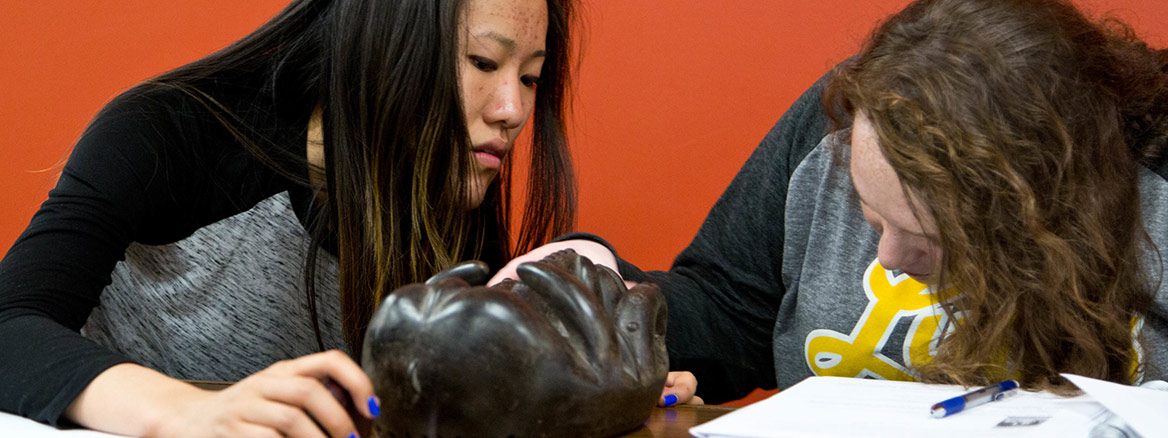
x: 528, y: 103
x: 472, y: 89
x: 475, y: 97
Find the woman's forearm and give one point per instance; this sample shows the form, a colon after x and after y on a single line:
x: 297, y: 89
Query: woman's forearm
x: 132, y: 400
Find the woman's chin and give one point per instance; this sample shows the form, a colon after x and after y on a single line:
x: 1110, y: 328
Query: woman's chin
x: 929, y: 279
x: 473, y: 202
x: 476, y: 191
x: 474, y: 197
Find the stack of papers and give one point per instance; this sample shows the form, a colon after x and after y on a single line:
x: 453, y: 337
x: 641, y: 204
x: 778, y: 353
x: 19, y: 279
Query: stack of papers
x: 1141, y: 409
x: 846, y: 407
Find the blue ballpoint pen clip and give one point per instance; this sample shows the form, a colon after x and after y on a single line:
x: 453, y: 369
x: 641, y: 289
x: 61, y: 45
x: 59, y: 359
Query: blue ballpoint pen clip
x: 976, y: 398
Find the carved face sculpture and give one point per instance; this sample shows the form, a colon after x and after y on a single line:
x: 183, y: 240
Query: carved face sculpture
x: 564, y: 351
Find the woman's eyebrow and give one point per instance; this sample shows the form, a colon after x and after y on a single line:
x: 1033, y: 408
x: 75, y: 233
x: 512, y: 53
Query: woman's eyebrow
x: 507, y: 42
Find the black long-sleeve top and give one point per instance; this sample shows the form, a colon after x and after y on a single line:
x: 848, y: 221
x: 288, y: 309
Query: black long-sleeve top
x: 152, y: 168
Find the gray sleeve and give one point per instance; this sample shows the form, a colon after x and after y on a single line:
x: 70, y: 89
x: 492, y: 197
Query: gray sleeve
x: 723, y: 291
x: 1153, y: 335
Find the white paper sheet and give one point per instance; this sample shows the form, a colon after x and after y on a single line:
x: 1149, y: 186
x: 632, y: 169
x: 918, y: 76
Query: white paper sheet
x: 845, y: 407
x: 1145, y: 410
x: 16, y: 426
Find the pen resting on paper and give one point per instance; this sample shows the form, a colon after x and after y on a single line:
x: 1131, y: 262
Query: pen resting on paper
x: 974, y: 399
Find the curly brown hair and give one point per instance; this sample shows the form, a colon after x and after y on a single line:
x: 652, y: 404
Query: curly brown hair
x: 1021, y: 125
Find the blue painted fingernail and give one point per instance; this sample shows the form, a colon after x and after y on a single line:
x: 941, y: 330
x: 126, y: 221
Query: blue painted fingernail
x: 670, y: 400
x: 352, y: 435
x: 374, y: 409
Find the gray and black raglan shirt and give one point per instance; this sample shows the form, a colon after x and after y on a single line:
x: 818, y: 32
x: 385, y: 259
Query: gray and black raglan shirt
x: 782, y: 280
x: 167, y: 244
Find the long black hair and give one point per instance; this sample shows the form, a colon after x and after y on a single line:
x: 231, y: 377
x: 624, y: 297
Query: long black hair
x: 384, y: 75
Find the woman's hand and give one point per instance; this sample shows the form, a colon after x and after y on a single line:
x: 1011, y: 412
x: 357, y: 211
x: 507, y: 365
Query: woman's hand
x: 679, y: 390
x: 288, y: 399
x: 597, y: 253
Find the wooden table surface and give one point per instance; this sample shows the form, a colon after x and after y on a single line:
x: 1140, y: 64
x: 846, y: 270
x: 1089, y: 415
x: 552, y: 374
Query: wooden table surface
x: 675, y: 422
x: 671, y: 422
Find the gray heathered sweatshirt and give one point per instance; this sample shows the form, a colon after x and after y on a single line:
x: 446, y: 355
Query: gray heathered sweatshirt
x: 782, y: 281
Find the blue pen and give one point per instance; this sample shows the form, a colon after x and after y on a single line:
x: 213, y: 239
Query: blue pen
x: 973, y: 399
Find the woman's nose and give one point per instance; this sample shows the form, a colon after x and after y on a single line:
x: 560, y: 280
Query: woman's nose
x: 507, y: 106
x: 894, y: 252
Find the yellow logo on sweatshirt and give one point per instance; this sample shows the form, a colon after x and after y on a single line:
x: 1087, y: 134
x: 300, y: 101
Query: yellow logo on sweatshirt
x: 861, y: 353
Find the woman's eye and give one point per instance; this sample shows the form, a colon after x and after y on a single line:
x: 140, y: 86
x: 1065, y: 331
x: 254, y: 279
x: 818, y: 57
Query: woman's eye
x: 530, y: 81
x: 482, y: 63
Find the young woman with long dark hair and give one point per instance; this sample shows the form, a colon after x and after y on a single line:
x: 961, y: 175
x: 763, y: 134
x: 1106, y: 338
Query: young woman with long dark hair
x: 989, y: 205
x: 251, y: 208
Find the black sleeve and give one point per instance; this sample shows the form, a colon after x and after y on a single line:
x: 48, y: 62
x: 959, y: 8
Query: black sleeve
x: 724, y: 289
x: 129, y: 179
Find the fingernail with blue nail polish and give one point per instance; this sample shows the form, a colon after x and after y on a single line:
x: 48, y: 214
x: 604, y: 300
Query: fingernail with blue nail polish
x: 670, y: 400
x: 352, y: 435
x: 374, y: 409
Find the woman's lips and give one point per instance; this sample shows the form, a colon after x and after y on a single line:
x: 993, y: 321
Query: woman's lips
x: 923, y: 278
x: 490, y: 154
x: 488, y: 159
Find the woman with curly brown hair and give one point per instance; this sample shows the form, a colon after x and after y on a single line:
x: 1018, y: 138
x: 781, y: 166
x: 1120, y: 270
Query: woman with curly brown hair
x: 1000, y: 149
x: 990, y: 204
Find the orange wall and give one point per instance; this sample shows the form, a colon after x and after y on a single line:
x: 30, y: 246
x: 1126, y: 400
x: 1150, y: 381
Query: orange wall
x: 672, y: 96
